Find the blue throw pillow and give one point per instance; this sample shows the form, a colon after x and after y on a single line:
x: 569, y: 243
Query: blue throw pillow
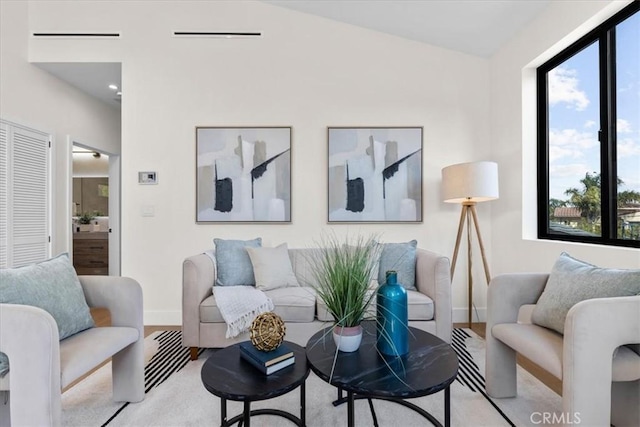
x: 53, y: 286
x: 400, y: 257
x: 233, y: 264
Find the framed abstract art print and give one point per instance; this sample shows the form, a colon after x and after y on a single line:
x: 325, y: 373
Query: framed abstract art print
x: 243, y: 174
x: 375, y: 174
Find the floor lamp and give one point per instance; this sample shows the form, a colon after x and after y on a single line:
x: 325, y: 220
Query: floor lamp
x: 469, y: 184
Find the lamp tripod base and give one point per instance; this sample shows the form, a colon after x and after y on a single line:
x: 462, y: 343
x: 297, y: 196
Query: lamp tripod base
x: 469, y: 215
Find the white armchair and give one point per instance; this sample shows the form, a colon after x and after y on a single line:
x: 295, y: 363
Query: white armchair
x: 600, y: 376
x: 41, y: 365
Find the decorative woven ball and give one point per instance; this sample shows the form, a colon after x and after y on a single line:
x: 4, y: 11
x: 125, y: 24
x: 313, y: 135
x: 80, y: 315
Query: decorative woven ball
x: 267, y: 331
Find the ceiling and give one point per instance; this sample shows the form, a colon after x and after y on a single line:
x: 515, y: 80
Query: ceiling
x: 93, y: 78
x: 475, y: 27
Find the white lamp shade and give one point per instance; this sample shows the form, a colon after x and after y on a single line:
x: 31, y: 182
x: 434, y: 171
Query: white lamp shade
x: 470, y: 182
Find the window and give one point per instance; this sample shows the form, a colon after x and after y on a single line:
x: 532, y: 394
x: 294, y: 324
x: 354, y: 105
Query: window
x: 589, y: 137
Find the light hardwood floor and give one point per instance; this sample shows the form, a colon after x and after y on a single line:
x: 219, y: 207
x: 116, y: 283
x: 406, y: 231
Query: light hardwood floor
x: 102, y: 318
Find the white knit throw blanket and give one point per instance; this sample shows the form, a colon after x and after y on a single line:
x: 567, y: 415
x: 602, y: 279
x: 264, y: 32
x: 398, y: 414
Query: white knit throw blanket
x: 239, y: 305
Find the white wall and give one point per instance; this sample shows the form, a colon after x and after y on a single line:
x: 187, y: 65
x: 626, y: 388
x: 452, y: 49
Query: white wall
x: 514, y: 243
x: 306, y: 72
x: 35, y: 98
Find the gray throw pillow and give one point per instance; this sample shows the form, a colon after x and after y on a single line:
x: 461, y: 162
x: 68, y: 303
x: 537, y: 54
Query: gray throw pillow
x: 53, y: 286
x: 572, y: 281
x: 233, y: 264
x: 400, y: 257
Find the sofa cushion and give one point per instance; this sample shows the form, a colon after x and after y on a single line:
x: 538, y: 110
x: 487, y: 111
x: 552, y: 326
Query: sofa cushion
x: 295, y: 304
x: 572, y: 281
x: 209, y: 311
x: 233, y: 263
x: 82, y: 352
x: 300, y: 261
x: 272, y: 267
x: 544, y: 347
x: 419, y: 307
x: 540, y: 345
x: 400, y: 257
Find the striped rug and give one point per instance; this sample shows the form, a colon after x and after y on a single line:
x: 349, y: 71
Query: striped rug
x: 468, y: 372
x: 171, y: 357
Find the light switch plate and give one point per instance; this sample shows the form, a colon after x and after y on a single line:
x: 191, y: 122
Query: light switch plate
x: 148, y: 210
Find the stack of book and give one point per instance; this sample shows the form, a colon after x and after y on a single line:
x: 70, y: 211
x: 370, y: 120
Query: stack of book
x: 267, y: 362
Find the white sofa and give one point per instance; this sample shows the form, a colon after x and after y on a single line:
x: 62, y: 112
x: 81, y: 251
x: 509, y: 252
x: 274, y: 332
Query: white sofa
x: 203, y: 326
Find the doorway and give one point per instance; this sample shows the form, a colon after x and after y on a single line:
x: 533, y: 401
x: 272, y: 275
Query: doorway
x: 94, y: 211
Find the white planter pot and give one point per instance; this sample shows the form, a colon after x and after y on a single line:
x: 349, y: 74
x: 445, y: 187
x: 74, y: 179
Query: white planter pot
x: 347, y: 339
x: 86, y: 227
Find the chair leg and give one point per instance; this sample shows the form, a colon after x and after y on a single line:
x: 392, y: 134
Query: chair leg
x: 500, y: 369
x: 127, y: 367
x: 193, y: 351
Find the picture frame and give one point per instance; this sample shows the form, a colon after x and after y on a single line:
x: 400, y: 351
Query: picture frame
x: 374, y: 174
x: 243, y: 174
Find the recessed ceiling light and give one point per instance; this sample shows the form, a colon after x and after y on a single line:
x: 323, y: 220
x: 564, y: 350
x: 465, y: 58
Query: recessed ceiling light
x: 113, y: 87
x: 119, y: 93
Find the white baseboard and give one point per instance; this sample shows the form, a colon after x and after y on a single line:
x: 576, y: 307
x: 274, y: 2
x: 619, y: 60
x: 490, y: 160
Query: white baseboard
x: 461, y: 315
x: 162, y: 318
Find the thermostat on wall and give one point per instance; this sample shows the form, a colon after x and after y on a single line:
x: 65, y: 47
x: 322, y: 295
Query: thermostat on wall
x: 147, y: 178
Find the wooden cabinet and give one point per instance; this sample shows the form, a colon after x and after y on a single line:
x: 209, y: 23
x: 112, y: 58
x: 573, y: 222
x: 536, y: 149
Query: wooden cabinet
x: 91, y: 253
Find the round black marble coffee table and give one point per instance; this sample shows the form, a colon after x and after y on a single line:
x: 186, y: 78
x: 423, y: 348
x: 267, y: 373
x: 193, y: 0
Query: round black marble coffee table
x: 430, y: 366
x: 228, y: 376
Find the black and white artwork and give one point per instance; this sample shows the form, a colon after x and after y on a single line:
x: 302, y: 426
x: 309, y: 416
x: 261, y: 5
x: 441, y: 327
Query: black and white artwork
x: 243, y: 174
x: 375, y: 174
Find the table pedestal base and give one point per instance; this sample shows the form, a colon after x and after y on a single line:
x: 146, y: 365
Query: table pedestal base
x: 244, y: 419
x: 352, y: 397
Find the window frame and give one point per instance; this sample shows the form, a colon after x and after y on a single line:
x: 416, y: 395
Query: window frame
x: 607, y: 134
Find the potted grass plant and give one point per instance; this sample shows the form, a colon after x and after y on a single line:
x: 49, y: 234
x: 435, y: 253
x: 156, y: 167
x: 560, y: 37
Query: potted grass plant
x: 342, y: 273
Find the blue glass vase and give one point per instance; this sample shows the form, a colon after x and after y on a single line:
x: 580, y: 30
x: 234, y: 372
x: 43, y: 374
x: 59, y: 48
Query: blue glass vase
x: 392, y: 317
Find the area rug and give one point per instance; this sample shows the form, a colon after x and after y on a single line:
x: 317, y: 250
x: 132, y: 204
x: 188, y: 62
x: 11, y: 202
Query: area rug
x: 175, y: 396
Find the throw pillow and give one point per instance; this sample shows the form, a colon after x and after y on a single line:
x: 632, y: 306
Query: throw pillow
x: 272, y: 267
x: 572, y: 281
x: 400, y: 257
x: 53, y: 286
x: 233, y: 262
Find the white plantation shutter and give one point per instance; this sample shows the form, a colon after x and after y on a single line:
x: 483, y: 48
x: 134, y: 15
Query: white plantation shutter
x: 24, y: 196
x: 4, y: 183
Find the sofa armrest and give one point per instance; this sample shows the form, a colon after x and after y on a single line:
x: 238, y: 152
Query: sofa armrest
x: 122, y: 296
x: 594, y: 328
x: 29, y: 337
x: 198, y: 276
x: 433, y: 278
x: 508, y: 292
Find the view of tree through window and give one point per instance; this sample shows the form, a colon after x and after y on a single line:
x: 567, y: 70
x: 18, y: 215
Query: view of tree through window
x: 589, y: 124
x: 628, y: 127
